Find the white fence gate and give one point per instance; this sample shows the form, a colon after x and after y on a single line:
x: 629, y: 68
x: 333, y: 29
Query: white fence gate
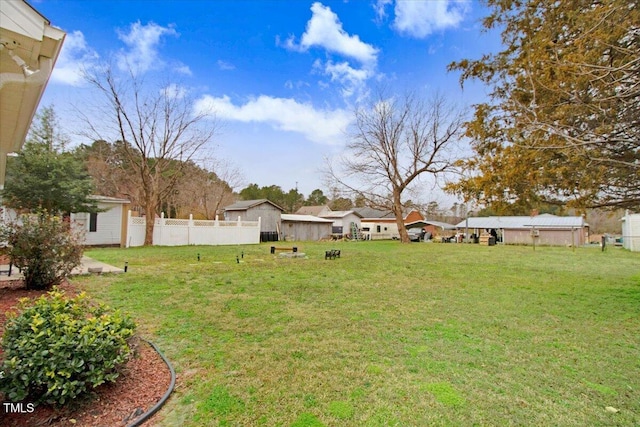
x: 178, y: 232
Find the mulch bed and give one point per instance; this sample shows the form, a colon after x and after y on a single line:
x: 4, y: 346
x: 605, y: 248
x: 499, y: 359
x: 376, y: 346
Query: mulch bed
x: 143, y: 381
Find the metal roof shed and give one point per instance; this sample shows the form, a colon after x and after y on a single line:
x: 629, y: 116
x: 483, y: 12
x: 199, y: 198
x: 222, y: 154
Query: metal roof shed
x: 546, y: 229
x: 305, y: 227
x: 250, y: 210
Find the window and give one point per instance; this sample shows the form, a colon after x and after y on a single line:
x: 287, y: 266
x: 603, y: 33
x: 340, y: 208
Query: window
x: 93, y: 222
x: 377, y: 228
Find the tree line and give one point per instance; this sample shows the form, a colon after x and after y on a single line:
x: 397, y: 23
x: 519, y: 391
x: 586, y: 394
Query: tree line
x: 49, y: 175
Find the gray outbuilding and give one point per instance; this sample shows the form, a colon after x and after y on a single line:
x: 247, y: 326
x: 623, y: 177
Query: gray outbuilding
x: 251, y: 210
x: 305, y: 227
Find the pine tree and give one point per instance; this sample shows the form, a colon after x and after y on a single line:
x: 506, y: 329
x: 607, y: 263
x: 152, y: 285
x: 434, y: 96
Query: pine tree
x: 42, y: 177
x: 563, y: 122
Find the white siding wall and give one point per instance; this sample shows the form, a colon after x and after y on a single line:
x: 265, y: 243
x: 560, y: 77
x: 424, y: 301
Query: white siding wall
x: 109, y: 225
x: 388, y: 230
x: 347, y: 220
x: 631, y: 232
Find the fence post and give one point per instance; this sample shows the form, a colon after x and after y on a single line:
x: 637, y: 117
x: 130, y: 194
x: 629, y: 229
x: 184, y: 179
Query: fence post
x: 160, y: 231
x: 127, y: 241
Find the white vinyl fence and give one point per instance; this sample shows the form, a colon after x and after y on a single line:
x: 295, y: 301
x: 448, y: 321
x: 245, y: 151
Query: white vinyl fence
x: 631, y: 232
x: 178, y: 232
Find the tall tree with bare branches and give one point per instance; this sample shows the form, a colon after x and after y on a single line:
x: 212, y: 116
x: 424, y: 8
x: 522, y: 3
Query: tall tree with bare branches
x: 394, y: 142
x: 159, y: 128
x: 204, y: 190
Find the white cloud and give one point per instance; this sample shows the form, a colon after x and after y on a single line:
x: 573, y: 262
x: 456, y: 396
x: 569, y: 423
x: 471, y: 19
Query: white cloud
x: 324, y: 29
x: 175, y: 91
x: 225, y: 65
x: 380, y: 8
x: 353, y: 80
x: 74, y: 57
x: 183, y: 69
x: 420, y: 18
x: 320, y: 126
x: 142, y: 42
x: 299, y: 84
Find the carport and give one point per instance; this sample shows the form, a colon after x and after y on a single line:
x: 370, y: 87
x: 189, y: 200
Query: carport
x: 441, y: 229
x: 545, y: 229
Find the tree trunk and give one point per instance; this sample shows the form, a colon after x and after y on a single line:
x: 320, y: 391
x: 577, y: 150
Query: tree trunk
x: 150, y: 212
x: 397, y: 211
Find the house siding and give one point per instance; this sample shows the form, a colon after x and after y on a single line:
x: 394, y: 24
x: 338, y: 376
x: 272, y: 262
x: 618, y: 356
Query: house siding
x: 413, y: 216
x: 345, y: 222
x: 631, y: 232
x: 388, y: 229
x: 109, y: 225
x: 388, y: 226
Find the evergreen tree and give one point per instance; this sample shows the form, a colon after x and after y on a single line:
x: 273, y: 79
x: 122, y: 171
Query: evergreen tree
x: 41, y: 177
x: 563, y: 121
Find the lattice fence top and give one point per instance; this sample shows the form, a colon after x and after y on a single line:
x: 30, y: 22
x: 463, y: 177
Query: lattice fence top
x: 174, y: 231
x: 194, y: 223
x: 203, y: 223
x: 180, y: 222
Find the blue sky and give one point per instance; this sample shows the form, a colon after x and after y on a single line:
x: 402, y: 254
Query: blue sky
x: 283, y: 76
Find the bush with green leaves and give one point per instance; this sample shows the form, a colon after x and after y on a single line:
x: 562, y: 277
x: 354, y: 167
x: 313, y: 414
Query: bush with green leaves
x: 44, y: 247
x: 60, y: 347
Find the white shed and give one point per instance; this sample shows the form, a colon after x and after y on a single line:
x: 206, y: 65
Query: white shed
x: 342, y: 220
x: 107, y: 228
x: 631, y: 232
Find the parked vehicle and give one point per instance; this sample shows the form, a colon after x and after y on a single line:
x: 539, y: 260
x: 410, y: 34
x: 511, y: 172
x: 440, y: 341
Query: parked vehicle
x: 415, y: 234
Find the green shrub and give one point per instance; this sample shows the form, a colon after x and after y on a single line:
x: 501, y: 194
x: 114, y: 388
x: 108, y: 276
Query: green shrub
x: 60, y: 347
x: 44, y: 247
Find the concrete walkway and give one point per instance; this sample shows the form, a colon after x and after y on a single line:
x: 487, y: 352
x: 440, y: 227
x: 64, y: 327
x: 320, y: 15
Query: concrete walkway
x: 86, y: 264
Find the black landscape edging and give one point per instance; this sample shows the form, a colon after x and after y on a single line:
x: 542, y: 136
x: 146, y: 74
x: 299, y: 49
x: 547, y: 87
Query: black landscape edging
x: 144, y: 417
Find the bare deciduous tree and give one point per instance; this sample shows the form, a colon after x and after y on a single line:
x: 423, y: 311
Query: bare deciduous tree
x: 395, y: 141
x: 204, y: 190
x: 160, y: 129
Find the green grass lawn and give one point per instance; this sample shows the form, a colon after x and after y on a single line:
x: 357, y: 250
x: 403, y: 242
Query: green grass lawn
x: 388, y: 334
